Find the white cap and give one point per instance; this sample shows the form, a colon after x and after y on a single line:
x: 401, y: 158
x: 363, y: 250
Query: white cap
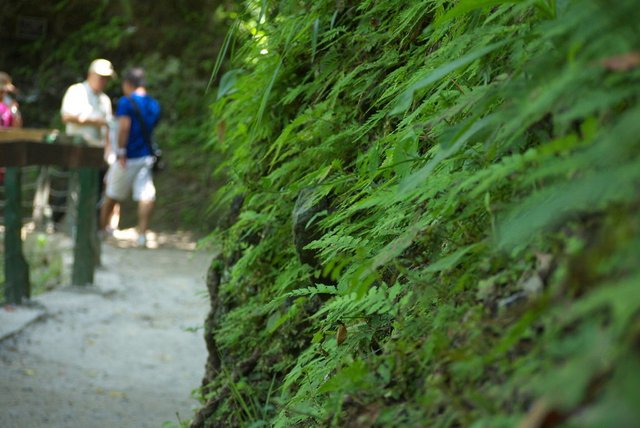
x: 102, y: 67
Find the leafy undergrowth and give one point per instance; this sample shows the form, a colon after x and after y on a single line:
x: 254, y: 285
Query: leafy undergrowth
x: 471, y: 171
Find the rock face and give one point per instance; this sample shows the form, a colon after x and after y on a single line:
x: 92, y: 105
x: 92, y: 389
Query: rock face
x: 305, y: 231
x: 215, y: 278
x: 213, y: 364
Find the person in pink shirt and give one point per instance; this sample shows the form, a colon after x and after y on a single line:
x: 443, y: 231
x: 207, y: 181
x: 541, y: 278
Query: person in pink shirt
x: 9, y: 113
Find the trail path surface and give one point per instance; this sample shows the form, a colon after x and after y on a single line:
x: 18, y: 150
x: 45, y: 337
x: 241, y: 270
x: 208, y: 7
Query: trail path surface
x: 121, y: 355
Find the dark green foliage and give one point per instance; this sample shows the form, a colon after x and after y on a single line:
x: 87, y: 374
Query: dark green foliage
x: 480, y: 161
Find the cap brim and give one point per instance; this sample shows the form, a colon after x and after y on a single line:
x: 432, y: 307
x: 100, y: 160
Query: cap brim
x: 105, y: 74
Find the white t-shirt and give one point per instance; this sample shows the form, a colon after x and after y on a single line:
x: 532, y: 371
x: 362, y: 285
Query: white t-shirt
x: 80, y: 100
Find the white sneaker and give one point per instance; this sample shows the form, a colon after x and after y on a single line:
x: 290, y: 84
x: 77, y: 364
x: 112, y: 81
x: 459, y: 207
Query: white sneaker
x: 141, y: 241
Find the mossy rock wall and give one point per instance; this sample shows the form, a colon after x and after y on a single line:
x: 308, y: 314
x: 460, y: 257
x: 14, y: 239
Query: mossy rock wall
x: 475, y: 259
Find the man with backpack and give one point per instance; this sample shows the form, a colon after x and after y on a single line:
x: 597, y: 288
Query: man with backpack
x: 137, y: 114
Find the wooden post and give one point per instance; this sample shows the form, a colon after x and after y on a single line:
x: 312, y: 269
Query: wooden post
x: 16, y: 268
x: 86, y: 252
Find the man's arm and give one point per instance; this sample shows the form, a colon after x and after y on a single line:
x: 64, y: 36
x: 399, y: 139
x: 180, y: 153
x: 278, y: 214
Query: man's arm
x: 81, y: 120
x: 72, y: 110
x: 124, y: 125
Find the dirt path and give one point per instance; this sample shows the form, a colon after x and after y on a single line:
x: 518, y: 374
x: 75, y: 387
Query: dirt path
x: 120, y: 356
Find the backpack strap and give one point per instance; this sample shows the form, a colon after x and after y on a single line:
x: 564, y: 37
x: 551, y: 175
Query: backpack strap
x: 145, y: 132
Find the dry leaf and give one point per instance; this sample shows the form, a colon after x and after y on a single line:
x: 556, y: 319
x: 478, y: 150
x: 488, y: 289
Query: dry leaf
x: 221, y: 131
x: 113, y: 393
x: 117, y: 394
x: 624, y: 62
x: 542, y: 415
x: 341, y: 334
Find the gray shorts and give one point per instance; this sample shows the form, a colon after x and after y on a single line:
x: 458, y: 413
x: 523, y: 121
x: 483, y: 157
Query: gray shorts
x: 136, y: 176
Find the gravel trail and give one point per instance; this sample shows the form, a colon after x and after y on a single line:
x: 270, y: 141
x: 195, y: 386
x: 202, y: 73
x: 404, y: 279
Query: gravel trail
x: 123, y: 354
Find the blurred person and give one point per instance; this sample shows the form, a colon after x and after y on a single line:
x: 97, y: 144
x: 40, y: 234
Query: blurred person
x: 86, y: 110
x: 10, y: 116
x: 137, y: 113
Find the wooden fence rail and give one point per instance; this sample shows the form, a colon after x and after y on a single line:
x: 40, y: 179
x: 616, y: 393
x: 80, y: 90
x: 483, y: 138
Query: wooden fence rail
x: 25, y: 147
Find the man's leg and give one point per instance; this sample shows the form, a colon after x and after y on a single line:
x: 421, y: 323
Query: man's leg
x: 114, y: 220
x: 105, y: 211
x: 145, y: 193
x: 118, y: 181
x: 145, y: 208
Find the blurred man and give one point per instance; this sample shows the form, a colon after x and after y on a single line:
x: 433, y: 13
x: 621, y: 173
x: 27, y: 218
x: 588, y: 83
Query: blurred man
x: 137, y: 113
x: 86, y: 109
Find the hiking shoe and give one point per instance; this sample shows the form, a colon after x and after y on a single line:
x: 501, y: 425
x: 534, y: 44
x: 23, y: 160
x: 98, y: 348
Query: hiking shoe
x: 104, y: 234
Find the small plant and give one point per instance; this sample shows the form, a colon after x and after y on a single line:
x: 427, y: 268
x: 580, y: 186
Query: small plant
x: 44, y: 254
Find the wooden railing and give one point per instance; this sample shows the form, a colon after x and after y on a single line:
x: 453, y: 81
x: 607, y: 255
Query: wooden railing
x: 25, y: 147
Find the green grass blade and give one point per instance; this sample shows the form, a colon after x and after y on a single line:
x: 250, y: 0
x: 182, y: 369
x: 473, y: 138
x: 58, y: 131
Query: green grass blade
x: 223, y: 52
x: 404, y: 100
